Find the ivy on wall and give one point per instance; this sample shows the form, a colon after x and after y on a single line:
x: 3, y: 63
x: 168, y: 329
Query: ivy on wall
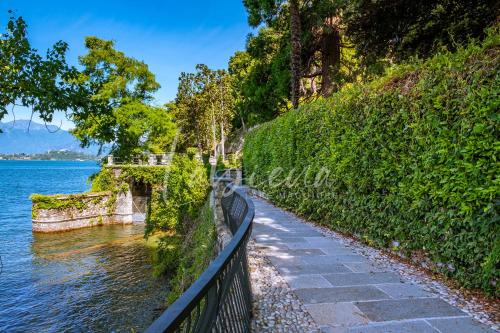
x: 178, y: 215
x: 178, y: 190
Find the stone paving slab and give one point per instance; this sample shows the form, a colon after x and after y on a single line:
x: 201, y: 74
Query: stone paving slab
x: 307, y: 281
x: 306, y: 269
x: 419, y: 326
x: 459, y: 325
x: 335, y: 250
x: 343, y: 258
x: 350, y: 279
x: 271, y: 240
x: 398, y: 309
x: 340, y: 294
x: 295, y: 233
x: 299, y: 252
x: 344, y: 291
x: 403, y: 290
x: 285, y: 260
x: 340, y: 313
x: 364, y: 267
x: 327, y: 247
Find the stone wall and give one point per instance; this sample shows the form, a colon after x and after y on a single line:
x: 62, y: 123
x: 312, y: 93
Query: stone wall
x: 68, y: 212
x: 224, y: 235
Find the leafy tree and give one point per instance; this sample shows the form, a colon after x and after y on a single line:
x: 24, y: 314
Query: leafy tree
x: 399, y: 29
x: 144, y: 128
x: 44, y: 84
x: 325, y: 51
x: 113, y: 108
x: 325, y: 55
x: 190, y: 113
x: 261, y: 77
x: 261, y: 11
x: 203, y: 108
x: 240, y: 65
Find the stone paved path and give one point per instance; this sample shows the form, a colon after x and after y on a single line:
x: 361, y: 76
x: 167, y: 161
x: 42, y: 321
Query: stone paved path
x: 342, y: 290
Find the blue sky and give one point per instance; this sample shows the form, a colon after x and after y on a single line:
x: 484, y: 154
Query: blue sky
x: 170, y: 36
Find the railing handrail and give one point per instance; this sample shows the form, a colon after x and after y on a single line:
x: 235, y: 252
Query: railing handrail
x: 175, y: 314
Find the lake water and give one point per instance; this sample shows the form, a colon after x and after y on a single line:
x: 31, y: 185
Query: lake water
x: 88, y: 280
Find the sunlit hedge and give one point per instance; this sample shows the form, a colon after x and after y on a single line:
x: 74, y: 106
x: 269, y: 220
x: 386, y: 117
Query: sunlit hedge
x: 411, y: 159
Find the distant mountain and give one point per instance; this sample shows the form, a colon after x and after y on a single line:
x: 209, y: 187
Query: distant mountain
x: 16, y: 139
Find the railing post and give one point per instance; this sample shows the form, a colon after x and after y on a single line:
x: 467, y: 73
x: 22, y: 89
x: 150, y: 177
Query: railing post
x: 151, y: 159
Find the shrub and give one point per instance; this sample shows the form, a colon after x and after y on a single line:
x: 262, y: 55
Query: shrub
x: 186, y: 257
x: 409, y: 160
x: 177, y: 190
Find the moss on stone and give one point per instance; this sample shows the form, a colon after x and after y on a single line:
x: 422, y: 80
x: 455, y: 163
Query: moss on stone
x: 63, y: 201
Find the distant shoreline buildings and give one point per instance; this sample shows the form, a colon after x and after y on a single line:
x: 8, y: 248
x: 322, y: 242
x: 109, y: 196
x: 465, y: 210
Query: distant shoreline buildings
x: 56, y: 155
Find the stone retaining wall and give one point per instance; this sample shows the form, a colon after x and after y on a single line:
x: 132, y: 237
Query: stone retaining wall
x: 83, y: 210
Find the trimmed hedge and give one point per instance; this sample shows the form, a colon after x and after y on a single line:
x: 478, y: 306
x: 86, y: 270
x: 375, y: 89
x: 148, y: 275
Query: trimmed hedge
x: 409, y: 161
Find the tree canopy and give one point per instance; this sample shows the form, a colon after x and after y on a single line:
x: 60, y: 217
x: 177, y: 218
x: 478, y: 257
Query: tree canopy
x: 400, y: 29
x: 113, y: 109
x: 203, y: 108
x: 303, y: 50
x: 42, y: 83
x: 344, y: 41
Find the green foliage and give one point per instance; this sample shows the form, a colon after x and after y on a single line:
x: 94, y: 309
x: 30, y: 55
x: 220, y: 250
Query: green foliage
x: 203, y: 108
x: 401, y: 29
x: 261, y: 77
x: 411, y: 157
x: 182, y: 190
x: 185, y: 231
x: 104, y: 180
x: 143, y: 128
x: 113, y: 108
x: 60, y: 202
x: 42, y: 201
x: 44, y: 84
x: 177, y: 190
x: 187, y: 256
x: 233, y: 161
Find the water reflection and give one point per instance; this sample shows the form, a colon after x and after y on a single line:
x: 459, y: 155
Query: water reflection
x: 96, y: 279
x: 88, y: 280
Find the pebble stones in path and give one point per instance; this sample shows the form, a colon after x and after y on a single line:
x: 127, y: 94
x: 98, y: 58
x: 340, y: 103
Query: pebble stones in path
x: 275, y: 306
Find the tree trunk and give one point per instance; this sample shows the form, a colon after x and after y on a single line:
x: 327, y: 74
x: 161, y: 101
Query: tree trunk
x: 222, y: 141
x: 330, y: 60
x: 295, y: 51
x: 222, y: 138
x: 214, y: 135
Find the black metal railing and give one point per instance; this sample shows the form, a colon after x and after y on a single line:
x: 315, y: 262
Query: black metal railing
x: 221, y: 299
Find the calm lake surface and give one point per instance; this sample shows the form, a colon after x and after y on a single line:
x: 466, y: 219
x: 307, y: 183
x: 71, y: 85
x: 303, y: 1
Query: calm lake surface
x: 88, y: 280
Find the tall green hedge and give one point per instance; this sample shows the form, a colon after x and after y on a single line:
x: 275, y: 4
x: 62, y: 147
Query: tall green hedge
x: 411, y: 160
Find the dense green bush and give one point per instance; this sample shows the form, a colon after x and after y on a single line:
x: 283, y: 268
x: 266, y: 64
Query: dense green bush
x: 178, y: 215
x: 408, y: 161
x: 185, y: 257
x: 177, y: 190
